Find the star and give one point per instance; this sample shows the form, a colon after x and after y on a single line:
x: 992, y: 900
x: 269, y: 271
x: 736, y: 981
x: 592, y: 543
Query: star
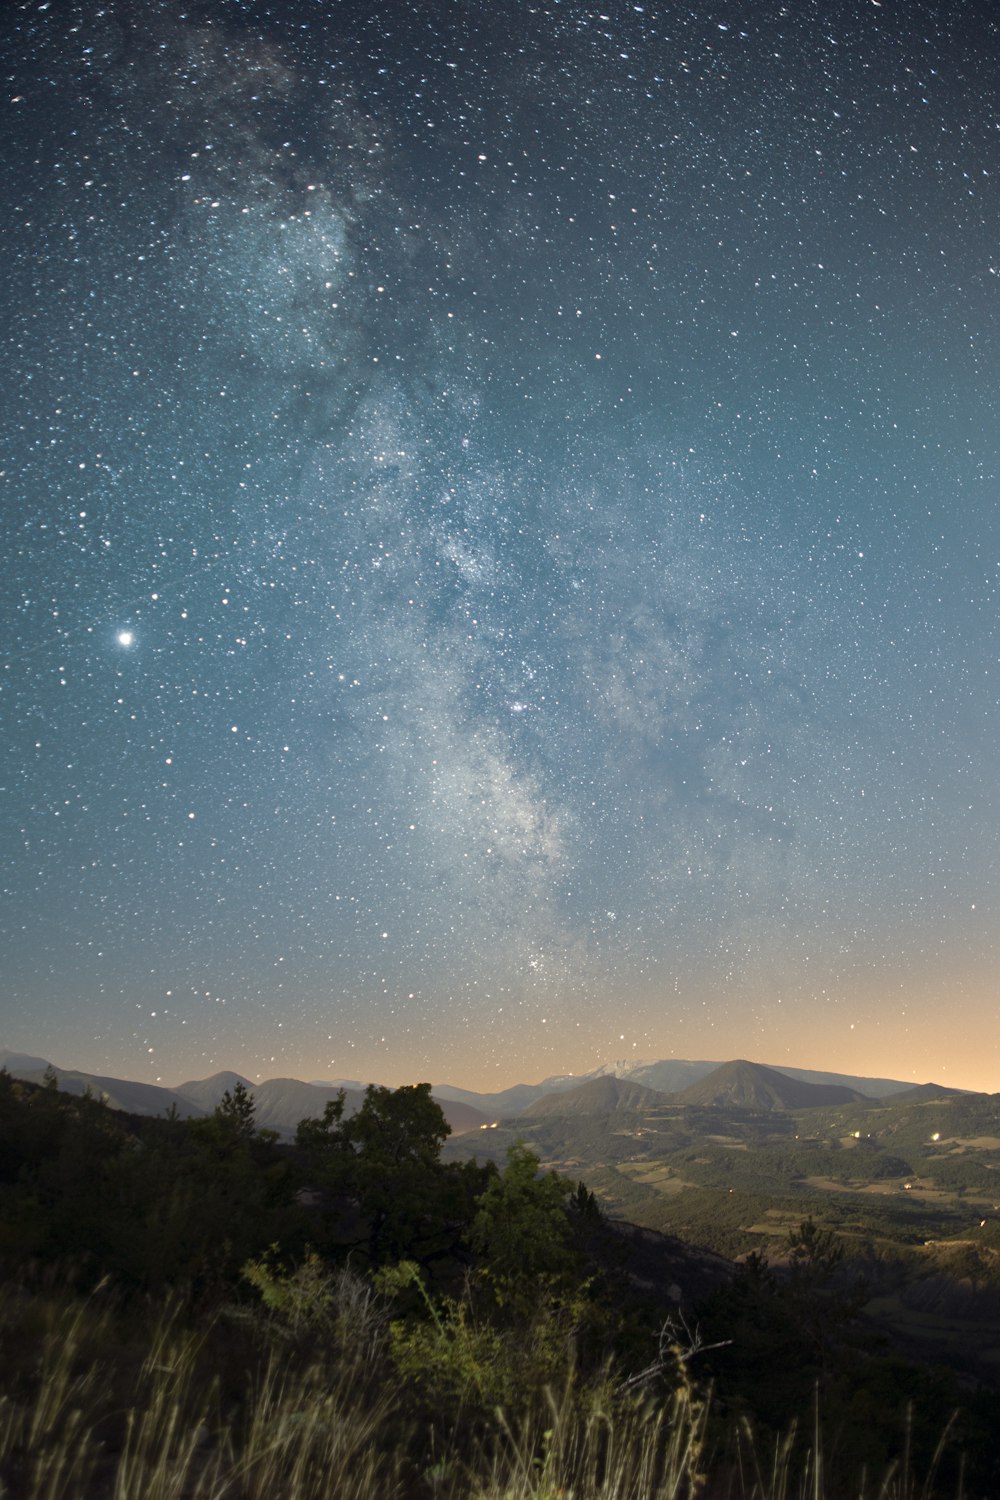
x: 516, y: 467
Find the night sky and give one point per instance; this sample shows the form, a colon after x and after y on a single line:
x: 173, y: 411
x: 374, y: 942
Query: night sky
x: 500, y: 537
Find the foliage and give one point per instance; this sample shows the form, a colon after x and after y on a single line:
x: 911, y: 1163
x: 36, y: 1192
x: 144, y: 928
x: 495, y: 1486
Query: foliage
x: 384, y: 1162
x: 100, y: 1405
x: 450, y: 1354
x: 302, y: 1297
x: 316, y: 1137
x: 346, y: 1310
x: 237, y: 1111
x: 521, y: 1230
x: 420, y: 1326
x: 400, y: 1126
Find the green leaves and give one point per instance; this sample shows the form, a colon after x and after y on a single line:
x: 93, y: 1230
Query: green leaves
x: 321, y: 1135
x: 398, y: 1125
x: 521, y: 1230
x: 237, y: 1111
x: 385, y: 1160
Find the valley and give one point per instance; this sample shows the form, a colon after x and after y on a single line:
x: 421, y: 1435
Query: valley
x: 910, y: 1185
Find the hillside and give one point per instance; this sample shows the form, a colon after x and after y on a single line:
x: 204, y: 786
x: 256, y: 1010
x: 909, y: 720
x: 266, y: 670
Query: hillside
x: 251, y: 1216
x: 749, y: 1085
x: 926, y: 1093
x: 461, y: 1117
x: 281, y: 1102
x: 464, y: 1109
x: 669, y: 1075
x: 600, y: 1096
x: 208, y: 1092
x: 505, y: 1103
x: 871, y: 1088
x: 120, y: 1093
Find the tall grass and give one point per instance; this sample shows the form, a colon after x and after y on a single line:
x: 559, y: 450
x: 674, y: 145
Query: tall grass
x: 651, y: 1450
x: 91, y: 1414
x: 101, y: 1402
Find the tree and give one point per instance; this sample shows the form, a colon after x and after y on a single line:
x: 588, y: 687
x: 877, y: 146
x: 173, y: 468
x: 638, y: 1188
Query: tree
x: 814, y: 1254
x: 386, y: 1158
x: 825, y: 1304
x: 583, y: 1208
x: 318, y: 1136
x: 237, y: 1112
x: 521, y: 1229
x: 394, y: 1126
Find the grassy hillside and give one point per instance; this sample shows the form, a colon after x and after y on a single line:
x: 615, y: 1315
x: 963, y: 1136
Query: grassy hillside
x: 900, y: 1171
x: 193, y: 1309
x: 747, y: 1085
x: 912, y: 1186
x: 599, y: 1096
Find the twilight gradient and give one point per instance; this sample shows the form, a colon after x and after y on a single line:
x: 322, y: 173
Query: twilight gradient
x: 500, y: 537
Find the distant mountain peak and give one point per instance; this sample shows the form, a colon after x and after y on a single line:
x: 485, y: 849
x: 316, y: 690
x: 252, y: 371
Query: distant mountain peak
x: 747, y: 1085
x: 603, y: 1095
x: 23, y: 1062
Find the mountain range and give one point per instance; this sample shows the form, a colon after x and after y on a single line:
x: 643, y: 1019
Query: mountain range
x: 747, y: 1085
x: 670, y: 1075
x: 599, y: 1096
x: 733, y: 1085
x: 282, y: 1102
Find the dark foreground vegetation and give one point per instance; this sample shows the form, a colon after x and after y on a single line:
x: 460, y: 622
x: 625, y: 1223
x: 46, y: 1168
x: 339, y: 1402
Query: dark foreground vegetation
x: 191, y: 1309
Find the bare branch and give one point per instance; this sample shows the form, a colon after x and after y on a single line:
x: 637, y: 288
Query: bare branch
x: 677, y: 1345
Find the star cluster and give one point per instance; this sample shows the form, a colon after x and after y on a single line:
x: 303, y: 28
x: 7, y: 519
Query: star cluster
x: 501, y: 538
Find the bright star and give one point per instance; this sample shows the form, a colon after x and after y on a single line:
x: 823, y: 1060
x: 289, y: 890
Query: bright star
x: 125, y: 637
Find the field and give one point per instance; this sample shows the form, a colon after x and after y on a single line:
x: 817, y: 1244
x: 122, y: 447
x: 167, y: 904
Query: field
x: 194, y: 1310
x: 912, y: 1189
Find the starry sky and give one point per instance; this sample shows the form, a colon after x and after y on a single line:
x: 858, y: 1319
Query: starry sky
x: 500, y: 536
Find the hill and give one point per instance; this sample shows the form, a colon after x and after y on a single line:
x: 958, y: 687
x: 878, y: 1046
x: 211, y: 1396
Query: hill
x: 461, y: 1117
x: 872, y: 1088
x: 281, y: 1102
x: 926, y: 1093
x: 669, y: 1075
x: 208, y: 1092
x: 600, y: 1096
x: 464, y: 1109
x: 17, y: 1063
x: 505, y: 1103
x: 146, y: 1099
x: 749, y: 1085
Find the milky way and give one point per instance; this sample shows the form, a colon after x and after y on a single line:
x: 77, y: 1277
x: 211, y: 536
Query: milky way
x: 500, y: 533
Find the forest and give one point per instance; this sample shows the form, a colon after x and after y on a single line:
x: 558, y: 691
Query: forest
x: 197, y: 1308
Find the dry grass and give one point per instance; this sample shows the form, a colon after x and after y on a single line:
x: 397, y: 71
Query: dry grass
x: 101, y: 1405
x: 88, y: 1415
